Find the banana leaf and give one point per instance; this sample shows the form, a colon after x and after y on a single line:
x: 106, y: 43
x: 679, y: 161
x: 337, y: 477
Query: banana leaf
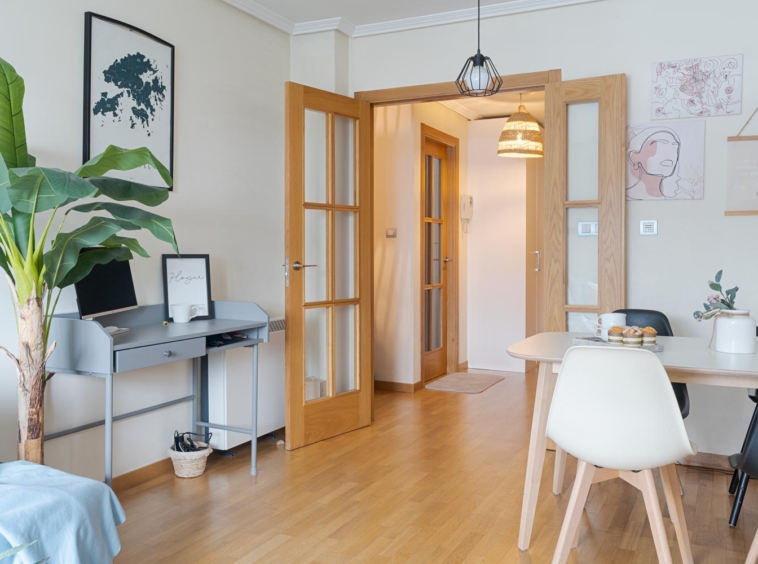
x: 12, y: 130
x: 63, y: 256
x: 34, y: 190
x: 160, y: 227
x: 5, y: 201
x: 87, y: 261
x: 125, y: 190
x: 128, y: 242
x: 116, y: 158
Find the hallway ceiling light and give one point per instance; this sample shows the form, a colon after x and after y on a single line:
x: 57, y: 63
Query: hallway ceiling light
x: 479, y: 76
x: 521, y: 136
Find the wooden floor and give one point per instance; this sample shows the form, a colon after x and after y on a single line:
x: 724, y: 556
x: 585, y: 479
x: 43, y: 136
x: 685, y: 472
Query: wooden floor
x: 438, y: 478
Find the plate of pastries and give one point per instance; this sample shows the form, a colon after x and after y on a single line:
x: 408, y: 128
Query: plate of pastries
x: 632, y: 336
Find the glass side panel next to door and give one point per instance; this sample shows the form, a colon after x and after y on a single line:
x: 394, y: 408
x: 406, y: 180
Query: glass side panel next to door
x: 583, y: 151
x: 582, y: 256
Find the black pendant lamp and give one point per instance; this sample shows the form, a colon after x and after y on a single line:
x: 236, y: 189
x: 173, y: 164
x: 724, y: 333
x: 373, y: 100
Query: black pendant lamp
x: 479, y: 76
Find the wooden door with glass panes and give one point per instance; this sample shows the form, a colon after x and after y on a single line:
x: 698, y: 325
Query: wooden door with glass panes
x: 327, y: 265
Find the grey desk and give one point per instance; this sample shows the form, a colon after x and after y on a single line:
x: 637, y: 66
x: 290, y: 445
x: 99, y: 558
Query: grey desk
x: 85, y: 348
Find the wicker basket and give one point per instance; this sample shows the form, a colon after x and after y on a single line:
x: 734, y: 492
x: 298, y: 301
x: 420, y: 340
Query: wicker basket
x: 190, y: 464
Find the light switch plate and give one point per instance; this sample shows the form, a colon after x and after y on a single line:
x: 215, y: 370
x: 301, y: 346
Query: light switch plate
x: 392, y: 233
x: 587, y: 229
x: 649, y: 227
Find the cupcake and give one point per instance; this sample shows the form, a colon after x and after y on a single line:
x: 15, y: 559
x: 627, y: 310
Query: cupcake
x: 632, y: 337
x: 648, y: 336
x: 615, y: 335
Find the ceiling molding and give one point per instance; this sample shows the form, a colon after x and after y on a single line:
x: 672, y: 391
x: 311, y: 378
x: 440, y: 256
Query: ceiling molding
x: 332, y: 24
x: 264, y: 14
x: 459, y: 108
x: 351, y: 30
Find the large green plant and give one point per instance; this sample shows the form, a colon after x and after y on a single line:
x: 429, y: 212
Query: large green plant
x: 38, y: 271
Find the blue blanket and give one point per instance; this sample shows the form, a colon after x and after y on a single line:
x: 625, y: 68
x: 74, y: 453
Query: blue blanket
x: 73, y: 519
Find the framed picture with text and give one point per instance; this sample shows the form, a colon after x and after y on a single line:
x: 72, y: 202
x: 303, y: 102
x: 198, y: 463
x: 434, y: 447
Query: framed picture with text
x: 187, y: 281
x: 128, y: 94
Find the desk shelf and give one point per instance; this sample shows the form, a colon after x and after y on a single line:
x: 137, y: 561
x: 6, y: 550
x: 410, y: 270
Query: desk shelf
x: 236, y: 345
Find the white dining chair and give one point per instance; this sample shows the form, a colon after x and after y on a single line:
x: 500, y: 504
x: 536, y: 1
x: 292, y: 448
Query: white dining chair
x: 614, y: 410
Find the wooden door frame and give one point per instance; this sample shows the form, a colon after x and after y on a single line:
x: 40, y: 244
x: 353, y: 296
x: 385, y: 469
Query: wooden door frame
x: 452, y: 234
x: 434, y: 93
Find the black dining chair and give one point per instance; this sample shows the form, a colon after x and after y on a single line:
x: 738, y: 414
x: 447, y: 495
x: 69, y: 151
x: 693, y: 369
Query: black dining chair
x: 745, y: 464
x: 737, y: 486
x: 658, y: 321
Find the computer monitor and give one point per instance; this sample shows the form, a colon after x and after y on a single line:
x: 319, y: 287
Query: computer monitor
x: 109, y: 288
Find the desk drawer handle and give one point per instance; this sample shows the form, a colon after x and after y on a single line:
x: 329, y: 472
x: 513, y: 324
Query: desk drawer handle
x: 167, y: 353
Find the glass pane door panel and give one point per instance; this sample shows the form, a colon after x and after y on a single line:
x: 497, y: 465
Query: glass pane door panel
x: 344, y: 255
x: 437, y: 189
x: 583, y: 151
x: 582, y: 256
x: 316, y: 353
x: 429, y: 181
x: 436, y: 253
x: 315, y: 157
x: 581, y: 322
x: 344, y: 348
x: 344, y: 161
x: 316, y: 243
x: 432, y: 319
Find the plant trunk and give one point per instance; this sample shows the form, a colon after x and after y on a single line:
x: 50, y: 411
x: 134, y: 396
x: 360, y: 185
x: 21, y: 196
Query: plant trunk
x: 31, y: 380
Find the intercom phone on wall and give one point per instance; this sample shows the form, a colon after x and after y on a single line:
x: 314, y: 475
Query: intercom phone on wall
x: 467, y: 210
x: 467, y: 206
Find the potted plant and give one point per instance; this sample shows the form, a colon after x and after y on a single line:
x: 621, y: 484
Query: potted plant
x: 734, y: 329
x: 36, y: 271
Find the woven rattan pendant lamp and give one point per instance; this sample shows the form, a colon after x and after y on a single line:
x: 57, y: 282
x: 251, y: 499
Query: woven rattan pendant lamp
x: 521, y: 137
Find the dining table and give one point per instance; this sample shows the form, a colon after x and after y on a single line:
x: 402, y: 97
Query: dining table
x: 688, y: 360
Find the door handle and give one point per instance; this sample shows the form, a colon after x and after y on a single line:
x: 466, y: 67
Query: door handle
x: 447, y: 260
x: 297, y: 266
x: 539, y: 261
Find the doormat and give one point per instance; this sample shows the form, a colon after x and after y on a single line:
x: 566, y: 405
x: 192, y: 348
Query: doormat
x: 464, y: 382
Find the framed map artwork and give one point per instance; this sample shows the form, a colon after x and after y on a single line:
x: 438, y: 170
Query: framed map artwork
x: 128, y: 94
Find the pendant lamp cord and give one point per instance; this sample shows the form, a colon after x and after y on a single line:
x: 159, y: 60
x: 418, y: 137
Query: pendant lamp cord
x: 478, y: 26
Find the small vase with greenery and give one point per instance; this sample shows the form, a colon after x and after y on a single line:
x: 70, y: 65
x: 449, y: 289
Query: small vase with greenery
x: 717, y: 303
x: 37, y: 265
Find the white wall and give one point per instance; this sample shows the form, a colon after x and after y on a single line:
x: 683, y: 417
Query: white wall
x: 496, y: 250
x: 228, y: 202
x: 397, y: 203
x: 668, y: 272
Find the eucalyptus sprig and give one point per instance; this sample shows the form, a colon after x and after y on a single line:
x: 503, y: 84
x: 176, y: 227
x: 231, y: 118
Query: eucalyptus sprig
x: 716, y: 303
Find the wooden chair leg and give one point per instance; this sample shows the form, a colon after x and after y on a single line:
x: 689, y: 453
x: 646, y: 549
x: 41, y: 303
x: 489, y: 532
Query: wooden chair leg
x: 737, y: 507
x: 679, y: 480
x: 645, y: 482
x: 559, y: 471
x: 579, y: 493
x: 676, y: 510
x: 752, y: 556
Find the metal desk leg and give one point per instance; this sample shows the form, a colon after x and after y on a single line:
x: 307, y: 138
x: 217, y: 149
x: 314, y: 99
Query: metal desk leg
x: 109, y: 429
x: 254, y: 427
x: 195, y: 391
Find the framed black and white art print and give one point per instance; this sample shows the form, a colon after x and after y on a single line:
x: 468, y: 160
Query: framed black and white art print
x: 187, y: 280
x: 128, y: 94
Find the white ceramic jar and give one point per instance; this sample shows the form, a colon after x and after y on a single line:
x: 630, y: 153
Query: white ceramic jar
x: 734, y: 332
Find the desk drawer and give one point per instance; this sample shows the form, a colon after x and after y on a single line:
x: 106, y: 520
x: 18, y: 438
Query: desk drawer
x: 142, y: 357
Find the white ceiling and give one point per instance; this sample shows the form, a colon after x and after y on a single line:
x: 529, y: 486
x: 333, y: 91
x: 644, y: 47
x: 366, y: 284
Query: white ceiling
x: 370, y: 17
x: 499, y: 105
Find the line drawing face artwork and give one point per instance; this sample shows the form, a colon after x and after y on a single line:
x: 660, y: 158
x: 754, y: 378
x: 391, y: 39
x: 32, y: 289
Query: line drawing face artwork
x: 665, y: 162
x: 697, y: 88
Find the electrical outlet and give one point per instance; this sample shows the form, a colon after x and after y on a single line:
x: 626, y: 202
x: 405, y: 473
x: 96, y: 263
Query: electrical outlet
x: 649, y: 227
x: 392, y: 233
